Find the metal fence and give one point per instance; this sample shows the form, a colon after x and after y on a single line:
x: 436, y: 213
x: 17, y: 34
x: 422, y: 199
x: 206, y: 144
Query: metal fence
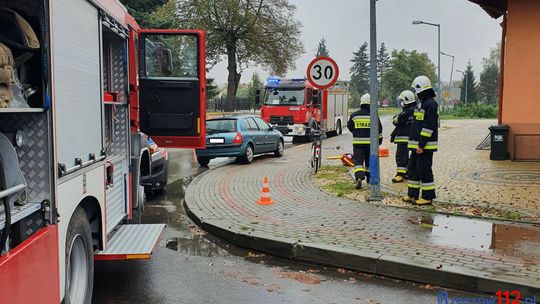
x: 218, y: 105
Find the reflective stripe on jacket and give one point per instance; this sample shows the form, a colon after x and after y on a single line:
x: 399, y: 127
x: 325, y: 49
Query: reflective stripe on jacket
x: 360, y: 125
x: 424, y: 129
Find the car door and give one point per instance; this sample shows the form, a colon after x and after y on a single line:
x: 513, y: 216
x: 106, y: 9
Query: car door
x: 257, y: 135
x: 172, y: 74
x: 270, y: 139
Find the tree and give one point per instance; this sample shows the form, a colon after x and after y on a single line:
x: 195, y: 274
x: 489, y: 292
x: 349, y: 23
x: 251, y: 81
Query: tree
x: 211, y: 89
x: 142, y: 9
x: 383, y: 64
x: 322, y: 49
x: 488, y: 89
x: 359, y: 72
x: 245, y: 31
x: 255, y: 84
x: 468, y: 85
x: 383, y: 61
x: 404, y: 67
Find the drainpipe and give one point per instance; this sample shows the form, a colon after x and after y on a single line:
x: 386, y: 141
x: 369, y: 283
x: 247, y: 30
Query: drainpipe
x: 503, y: 57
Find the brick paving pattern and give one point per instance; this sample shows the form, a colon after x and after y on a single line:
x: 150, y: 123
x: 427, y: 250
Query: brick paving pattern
x: 403, y: 243
x: 464, y: 175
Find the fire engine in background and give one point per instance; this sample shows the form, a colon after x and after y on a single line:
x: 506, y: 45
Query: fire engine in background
x: 295, y: 108
x: 84, y: 88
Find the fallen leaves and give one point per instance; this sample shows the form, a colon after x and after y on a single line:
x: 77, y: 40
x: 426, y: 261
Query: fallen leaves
x: 301, y: 276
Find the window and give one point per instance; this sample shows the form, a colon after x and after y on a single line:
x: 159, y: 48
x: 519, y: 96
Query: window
x: 284, y: 97
x: 245, y: 125
x: 252, y: 124
x: 263, y: 126
x: 221, y: 126
x: 171, y: 56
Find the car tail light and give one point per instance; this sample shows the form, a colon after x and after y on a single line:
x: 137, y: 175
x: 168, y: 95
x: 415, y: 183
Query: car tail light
x: 165, y: 154
x: 237, y: 138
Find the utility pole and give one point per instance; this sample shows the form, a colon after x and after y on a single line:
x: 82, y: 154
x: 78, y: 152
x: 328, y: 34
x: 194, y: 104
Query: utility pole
x: 451, y: 70
x: 374, y: 117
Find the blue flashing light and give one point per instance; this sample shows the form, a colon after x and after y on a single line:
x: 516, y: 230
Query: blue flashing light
x: 273, y: 81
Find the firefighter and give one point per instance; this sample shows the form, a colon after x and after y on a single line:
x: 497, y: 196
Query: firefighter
x: 359, y: 125
x: 423, y: 143
x: 400, y: 135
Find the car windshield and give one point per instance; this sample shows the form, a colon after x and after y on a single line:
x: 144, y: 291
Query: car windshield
x: 220, y: 126
x: 277, y: 97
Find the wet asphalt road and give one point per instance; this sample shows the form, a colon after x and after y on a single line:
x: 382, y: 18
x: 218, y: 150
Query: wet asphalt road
x: 190, y: 266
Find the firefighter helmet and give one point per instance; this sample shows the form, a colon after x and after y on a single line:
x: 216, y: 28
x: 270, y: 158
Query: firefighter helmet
x: 407, y: 97
x: 421, y: 83
x: 365, y: 99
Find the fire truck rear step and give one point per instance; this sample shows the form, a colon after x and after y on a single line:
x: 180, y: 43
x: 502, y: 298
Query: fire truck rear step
x: 131, y: 242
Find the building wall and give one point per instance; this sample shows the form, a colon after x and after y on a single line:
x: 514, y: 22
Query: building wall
x: 521, y: 95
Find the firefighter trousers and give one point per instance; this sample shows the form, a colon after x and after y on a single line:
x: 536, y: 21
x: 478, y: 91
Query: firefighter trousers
x: 421, y: 176
x: 402, y: 159
x: 361, y: 161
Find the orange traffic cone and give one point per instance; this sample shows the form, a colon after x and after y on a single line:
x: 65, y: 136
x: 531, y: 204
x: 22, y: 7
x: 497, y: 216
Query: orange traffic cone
x: 265, y: 196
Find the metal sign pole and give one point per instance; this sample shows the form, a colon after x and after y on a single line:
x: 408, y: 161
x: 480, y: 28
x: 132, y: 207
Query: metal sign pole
x: 374, y: 117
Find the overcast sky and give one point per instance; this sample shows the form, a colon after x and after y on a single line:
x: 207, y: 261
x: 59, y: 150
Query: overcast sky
x: 466, y: 32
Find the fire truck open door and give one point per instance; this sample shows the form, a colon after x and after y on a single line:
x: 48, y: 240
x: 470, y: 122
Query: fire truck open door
x: 172, y: 75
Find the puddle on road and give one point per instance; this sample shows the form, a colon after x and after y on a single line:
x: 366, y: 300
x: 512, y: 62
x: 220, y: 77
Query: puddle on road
x: 480, y: 235
x: 196, y: 245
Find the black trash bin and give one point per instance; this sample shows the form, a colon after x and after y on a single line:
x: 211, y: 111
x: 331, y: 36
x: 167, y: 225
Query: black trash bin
x: 499, y: 142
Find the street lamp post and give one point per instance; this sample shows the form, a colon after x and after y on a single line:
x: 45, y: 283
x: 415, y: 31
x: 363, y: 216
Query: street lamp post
x: 374, y: 120
x: 466, y: 84
x: 417, y: 22
x: 451, y: 70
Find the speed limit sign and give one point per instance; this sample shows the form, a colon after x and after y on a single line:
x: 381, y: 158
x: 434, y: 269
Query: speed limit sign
x: 322, y: 72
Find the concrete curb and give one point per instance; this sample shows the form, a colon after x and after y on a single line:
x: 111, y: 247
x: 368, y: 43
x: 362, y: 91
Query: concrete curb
x: 365, y: 261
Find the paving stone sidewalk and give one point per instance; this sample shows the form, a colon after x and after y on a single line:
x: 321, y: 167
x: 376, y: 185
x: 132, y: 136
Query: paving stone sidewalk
x: 466, y: 176
x: 308, y: 225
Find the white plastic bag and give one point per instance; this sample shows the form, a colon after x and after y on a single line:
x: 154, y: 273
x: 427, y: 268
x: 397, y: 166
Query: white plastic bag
x: 19, y: 99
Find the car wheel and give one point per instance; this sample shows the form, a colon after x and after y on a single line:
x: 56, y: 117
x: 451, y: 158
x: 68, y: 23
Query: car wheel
x: 79, y: 260
x: 160, y: 191
x: 248, y: 156
x: 280, y: 148
x: 203, y: 161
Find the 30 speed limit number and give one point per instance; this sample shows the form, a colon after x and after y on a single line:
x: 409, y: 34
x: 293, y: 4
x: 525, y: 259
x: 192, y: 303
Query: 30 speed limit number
x: 322, y: 72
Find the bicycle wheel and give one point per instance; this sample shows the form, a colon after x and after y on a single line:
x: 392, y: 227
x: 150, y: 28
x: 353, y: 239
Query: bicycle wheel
x: 313, y: 158
x: 319, y: 156
x: 318, y: 153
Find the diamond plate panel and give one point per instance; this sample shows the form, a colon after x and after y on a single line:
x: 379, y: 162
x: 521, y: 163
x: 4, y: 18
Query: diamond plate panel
x: 106, y: 64
x: 33, y: 156
x: 119, y: 143
x: 118, y: 69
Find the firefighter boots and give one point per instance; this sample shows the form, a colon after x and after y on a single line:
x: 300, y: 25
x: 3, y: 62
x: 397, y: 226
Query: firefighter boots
x: 423, y: 202
x: 407, y: 199
x: 398, y: 179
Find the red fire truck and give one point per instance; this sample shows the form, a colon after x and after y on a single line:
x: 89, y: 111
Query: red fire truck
x: 294, y: 107
x: 86, y: 87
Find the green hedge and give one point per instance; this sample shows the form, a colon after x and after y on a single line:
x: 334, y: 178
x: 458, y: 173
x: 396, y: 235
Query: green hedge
x: 471, y: 110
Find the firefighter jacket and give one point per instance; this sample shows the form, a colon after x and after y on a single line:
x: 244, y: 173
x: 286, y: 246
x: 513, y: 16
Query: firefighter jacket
x: 424, y: 129
x: 403, y: 122
x: 359, y: 124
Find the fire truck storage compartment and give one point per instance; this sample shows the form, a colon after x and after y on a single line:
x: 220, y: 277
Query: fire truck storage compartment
x: 116, y: 122
x: 26, y: 125
x: 78, y: 91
